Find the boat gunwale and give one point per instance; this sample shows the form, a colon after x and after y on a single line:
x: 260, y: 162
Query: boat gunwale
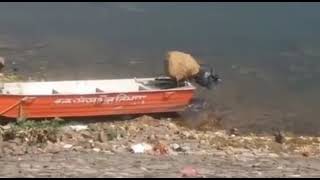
x: 184, y: 88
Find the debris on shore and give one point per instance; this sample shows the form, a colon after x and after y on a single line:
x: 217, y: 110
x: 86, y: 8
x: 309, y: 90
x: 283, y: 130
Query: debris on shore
x: 144, y: 134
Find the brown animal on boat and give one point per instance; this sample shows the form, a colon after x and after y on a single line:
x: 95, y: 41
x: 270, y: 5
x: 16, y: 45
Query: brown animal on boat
x: 181, y: 66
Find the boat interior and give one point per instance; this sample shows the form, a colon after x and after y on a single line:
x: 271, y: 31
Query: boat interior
x: 89, y: 86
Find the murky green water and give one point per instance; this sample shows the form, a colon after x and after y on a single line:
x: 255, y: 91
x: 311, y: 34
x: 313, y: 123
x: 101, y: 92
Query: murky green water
x: 268, y: 54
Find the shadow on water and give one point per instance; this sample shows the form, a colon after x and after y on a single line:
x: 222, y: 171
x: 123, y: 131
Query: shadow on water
x: 200, y: 115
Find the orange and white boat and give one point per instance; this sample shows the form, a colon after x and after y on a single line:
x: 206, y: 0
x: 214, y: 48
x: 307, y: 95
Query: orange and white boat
x: 93, y: 97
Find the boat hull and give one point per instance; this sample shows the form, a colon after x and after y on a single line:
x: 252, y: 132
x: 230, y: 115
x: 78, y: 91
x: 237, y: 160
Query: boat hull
x: 99, y: 104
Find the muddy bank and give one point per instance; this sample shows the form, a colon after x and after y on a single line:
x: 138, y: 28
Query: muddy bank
x: 96, y: 164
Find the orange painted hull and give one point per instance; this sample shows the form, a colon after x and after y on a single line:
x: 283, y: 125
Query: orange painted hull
x: 41, y: 106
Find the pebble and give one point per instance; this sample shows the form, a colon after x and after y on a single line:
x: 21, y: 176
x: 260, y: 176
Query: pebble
x: 96, y: 149
x: 167, y: 137
x: 203, y: 142
x: 186, y: 134
x: 295, y: 175
x: 273, y: 155
x: 67, y: 146
x: 172, y: 127
x: 189, y: 171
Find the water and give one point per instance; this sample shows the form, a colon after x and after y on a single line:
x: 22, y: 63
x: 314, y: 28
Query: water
x: 267, y: 53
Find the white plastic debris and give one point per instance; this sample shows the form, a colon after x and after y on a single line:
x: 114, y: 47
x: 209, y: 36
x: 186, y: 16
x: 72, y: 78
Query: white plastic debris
x: 6, y: 127
x: 295, y: 175
x: 175, y: 146
x: 178, y: 148
x: 67, y: 146
x: 96, y: 149
x: 141, y: 148
x: 78, y: 127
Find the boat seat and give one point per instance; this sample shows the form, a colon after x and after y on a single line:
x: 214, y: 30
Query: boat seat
x: 141, y: 85
x: 99, y: 90
x: 54, y: 91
